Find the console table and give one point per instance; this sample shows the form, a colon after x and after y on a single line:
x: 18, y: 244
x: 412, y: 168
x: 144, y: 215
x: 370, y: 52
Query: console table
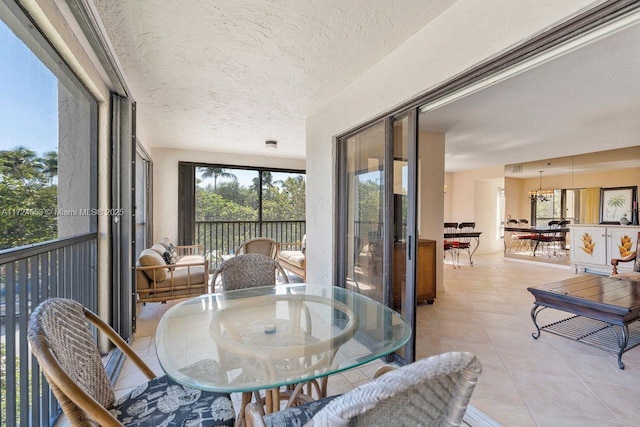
x: 605, y: 312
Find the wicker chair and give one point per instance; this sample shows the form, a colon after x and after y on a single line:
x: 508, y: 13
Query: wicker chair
x: 248, y: 271
x: 260, y: 245
x: 432, y: 391
x: 60, y: 339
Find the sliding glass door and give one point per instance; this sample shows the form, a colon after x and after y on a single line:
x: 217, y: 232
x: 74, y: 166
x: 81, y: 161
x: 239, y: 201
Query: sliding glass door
x: 377, y: 226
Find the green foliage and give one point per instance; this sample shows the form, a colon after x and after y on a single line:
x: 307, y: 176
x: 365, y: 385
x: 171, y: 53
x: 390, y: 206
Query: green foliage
x: 229, y: 201
x: 214, y: 207
x: 369, y: 200
x: 26, y: 189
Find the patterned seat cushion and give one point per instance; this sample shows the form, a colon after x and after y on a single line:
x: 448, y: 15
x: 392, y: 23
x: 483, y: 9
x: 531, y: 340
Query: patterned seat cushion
x: 163, y: 402
x: 296, y: 416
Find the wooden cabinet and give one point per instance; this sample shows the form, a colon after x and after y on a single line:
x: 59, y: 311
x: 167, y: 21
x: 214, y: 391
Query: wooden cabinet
x: 593, y: 246
x: 425, y: 271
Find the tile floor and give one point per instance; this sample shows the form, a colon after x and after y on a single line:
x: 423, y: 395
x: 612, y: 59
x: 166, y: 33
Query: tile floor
x: 485, y: 310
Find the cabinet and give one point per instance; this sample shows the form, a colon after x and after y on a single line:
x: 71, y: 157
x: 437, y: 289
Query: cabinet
x: 425, y: 271
x: 593, y: 246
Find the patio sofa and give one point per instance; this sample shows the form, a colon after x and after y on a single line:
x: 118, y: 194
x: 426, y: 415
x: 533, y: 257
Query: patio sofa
x: 165, y: 272
x: 291, y: 256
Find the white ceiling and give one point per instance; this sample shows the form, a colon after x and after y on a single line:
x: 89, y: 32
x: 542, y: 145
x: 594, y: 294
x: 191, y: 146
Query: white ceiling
x: 584, y: 101
x: 225, y: 76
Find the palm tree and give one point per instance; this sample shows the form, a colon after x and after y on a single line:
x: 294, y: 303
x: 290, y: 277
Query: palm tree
x: 50, y: 161
x: 615, y: 202
x: 217, y: 173
x: 22, y: 162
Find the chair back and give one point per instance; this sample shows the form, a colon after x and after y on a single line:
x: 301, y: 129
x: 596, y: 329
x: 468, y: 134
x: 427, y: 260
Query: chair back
x: 466, y: 227
x: 259, y: 245
x: 61, y: 341
x: 432, y: 391
x: 248, y: 271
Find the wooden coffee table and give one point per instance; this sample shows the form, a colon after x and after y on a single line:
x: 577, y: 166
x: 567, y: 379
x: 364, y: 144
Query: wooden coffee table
x: 605, y: 312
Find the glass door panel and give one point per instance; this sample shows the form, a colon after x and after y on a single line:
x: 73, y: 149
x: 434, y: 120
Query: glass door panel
x: 363, y: 184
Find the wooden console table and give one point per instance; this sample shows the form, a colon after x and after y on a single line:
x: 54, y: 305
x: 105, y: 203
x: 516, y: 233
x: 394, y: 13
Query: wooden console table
x: 606, y: 312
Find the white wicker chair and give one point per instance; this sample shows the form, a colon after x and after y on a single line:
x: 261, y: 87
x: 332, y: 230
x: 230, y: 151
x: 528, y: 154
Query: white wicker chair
x: 432, y: 391
x: 248, y: 271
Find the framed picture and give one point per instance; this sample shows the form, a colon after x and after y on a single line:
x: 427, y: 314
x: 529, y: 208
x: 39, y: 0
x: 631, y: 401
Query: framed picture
x: 616, y: 203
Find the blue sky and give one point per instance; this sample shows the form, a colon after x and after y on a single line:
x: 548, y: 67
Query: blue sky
x: 28, y: 98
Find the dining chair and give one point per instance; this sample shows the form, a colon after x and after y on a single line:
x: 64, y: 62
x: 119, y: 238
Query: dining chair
x: 464, y: 242
x: 60, y: 338
x: 259, y: 245
x: 451, y: 242
x: 431, y: 391
x: 248, y: 270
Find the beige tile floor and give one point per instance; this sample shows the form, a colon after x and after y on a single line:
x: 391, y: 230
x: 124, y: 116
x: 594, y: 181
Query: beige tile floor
x: 485, y: 310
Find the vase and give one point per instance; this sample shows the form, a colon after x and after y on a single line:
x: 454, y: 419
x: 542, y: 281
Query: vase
x: 624, y: 220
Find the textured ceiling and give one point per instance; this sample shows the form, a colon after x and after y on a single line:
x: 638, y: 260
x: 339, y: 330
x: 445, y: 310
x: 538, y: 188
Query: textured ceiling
x: 226, y: 75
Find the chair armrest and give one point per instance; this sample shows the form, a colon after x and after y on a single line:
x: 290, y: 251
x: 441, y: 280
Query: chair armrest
x: 189, y: 250
x: 616, y: 261
x: 120, y: 343
x: 290, y: 246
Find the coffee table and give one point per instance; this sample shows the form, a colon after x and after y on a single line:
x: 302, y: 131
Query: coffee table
x: 605, y: 312
x: 267, y: 337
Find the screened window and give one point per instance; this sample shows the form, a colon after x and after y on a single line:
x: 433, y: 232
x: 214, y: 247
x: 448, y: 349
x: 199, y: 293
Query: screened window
x: 48, y: 145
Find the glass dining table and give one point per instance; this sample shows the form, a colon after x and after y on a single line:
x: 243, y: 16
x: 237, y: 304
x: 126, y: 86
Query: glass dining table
x: 268, y: 337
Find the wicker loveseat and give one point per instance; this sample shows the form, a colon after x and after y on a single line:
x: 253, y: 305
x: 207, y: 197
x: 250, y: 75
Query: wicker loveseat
x: 166, y: 272
x: 292, y: 257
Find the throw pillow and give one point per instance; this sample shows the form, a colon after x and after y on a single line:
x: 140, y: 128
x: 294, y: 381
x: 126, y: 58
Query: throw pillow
x: 174, y: 253
x: 169, y: 258
x: 304, y: 244
x: 149, y: 258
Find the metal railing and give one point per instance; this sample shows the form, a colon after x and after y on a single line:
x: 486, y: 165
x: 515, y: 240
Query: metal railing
x: 29, y: 275
x: 223, y: 237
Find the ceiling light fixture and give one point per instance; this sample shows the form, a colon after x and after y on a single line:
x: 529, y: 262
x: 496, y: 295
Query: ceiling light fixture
x: 271, y: 145
x: 540, y: 194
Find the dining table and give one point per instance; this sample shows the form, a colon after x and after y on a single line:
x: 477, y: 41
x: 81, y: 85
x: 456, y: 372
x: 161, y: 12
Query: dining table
x: 284, y: 340
x: 533, y: 232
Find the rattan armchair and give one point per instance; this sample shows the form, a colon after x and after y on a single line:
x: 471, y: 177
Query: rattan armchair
x: 248, y: 271
x: 432, y: 391
x: 259, y: 245
x: 60, y: 339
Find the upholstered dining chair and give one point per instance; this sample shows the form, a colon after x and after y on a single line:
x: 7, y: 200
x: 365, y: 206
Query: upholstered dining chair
x: 60, y: 338
x: 432, y: 391
x: 259, y: 245
x: 247, y: 271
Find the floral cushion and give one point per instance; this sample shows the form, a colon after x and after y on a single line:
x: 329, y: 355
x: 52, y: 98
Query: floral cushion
x: 163, y: 402
x: 296, y: 416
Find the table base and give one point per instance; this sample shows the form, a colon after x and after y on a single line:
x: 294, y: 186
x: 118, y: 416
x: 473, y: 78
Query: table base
x: 615, y: 339
x: 294, y: 394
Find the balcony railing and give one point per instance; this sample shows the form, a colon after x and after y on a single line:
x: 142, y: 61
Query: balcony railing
x: 29, y: 275
x: 223, y: 237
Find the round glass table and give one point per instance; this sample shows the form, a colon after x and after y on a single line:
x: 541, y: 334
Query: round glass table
x: 267, y: 337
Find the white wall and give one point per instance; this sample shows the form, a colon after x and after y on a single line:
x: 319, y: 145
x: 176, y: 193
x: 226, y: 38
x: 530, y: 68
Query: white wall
x: 165, y: 180
x: 464, y: 35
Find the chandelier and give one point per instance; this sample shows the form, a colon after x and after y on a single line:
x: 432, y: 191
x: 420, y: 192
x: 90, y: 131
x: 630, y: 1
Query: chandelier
x: 540, y: 194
